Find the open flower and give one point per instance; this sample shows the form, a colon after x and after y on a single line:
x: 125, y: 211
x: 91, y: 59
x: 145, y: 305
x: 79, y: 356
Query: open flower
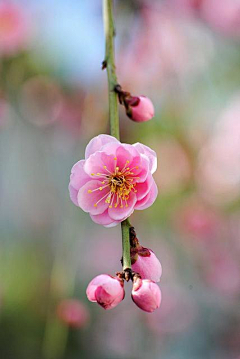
x: 113, y: 180
x: 106, y: 290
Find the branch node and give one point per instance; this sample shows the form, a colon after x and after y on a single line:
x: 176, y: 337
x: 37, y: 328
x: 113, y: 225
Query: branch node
x: 104, y: 64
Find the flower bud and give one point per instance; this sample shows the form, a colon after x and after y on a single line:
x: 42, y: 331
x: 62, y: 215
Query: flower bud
x: 139, y: 109
x: 106, y: 290
x: 146, y: 295
x: 73, y: 313
x: 145, y: 263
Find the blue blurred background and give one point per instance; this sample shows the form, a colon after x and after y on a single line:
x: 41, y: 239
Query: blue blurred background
x: 185, y: 56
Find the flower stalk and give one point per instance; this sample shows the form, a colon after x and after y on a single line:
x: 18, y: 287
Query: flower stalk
x: 109, y: 64
x: 126, y: 259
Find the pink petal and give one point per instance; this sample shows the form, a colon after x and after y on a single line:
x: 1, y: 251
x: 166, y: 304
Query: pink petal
x: 97, y: 143
x: 87, y: 200
x: 144, y: 187
x: 148, y: 200
x: 151, y: 155
x: 104, y: 219
x: 92, y: 286
x: 147, y: 296
x: 119, y: 214
x: 106, y: 290
x: 96, y: 162
x: 78, y: 176
x: 143, y: 168
x: 125, y: 153
x: 104, y: 299
x: 73, y: 194
x: 148, y: 267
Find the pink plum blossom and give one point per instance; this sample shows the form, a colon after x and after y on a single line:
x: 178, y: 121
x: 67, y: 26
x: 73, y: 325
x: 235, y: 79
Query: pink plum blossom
x: 73, y: 313
x: 106, y: 290
x: 223, y: 272
x: 146, y: 295
x: 113, y: 180
x: 186, y: 7
x: 218, y: 172
x: 147, y: 264
x: 14, y: 29
x: 223, y: 15
x: 140, y: 109
x: 197, y: 219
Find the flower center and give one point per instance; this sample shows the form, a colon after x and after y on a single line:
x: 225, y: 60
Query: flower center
x: 120, y: 184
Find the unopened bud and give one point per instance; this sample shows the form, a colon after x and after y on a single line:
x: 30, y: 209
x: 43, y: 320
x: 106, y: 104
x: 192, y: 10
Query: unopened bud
x: 106, y: 290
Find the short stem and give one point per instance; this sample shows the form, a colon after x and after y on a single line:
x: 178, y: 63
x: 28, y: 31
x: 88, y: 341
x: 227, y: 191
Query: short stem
x: 126, y: 259
x: 113, y: 108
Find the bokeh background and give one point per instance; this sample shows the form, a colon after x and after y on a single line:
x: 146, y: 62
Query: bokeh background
x: 185, y: 56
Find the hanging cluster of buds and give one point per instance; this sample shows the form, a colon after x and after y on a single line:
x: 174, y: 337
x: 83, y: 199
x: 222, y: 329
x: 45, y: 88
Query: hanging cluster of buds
x: 146, y: 270
x: 138, y: 108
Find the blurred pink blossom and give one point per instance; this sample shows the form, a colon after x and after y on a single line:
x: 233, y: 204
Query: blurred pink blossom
x: 146, y: 295
x: 70, y: 116
x: 197, y: 219
x: 218, y: 173
x: 106, y: 290
x: 73, y: 313
x: 41, y: 101
x: 167, y: 37
x: 113, y: 180
x: 223, y: 272
x: 186, y: 7
x: 169, y: 177
x: 14, y: 28
x: 223, y: 15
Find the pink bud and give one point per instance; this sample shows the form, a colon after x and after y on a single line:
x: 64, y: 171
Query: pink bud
x: 73, y: 313
x: 106, y: 290
x: 146, y: 264
x: 146, y: 295
x: 140, y: 109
